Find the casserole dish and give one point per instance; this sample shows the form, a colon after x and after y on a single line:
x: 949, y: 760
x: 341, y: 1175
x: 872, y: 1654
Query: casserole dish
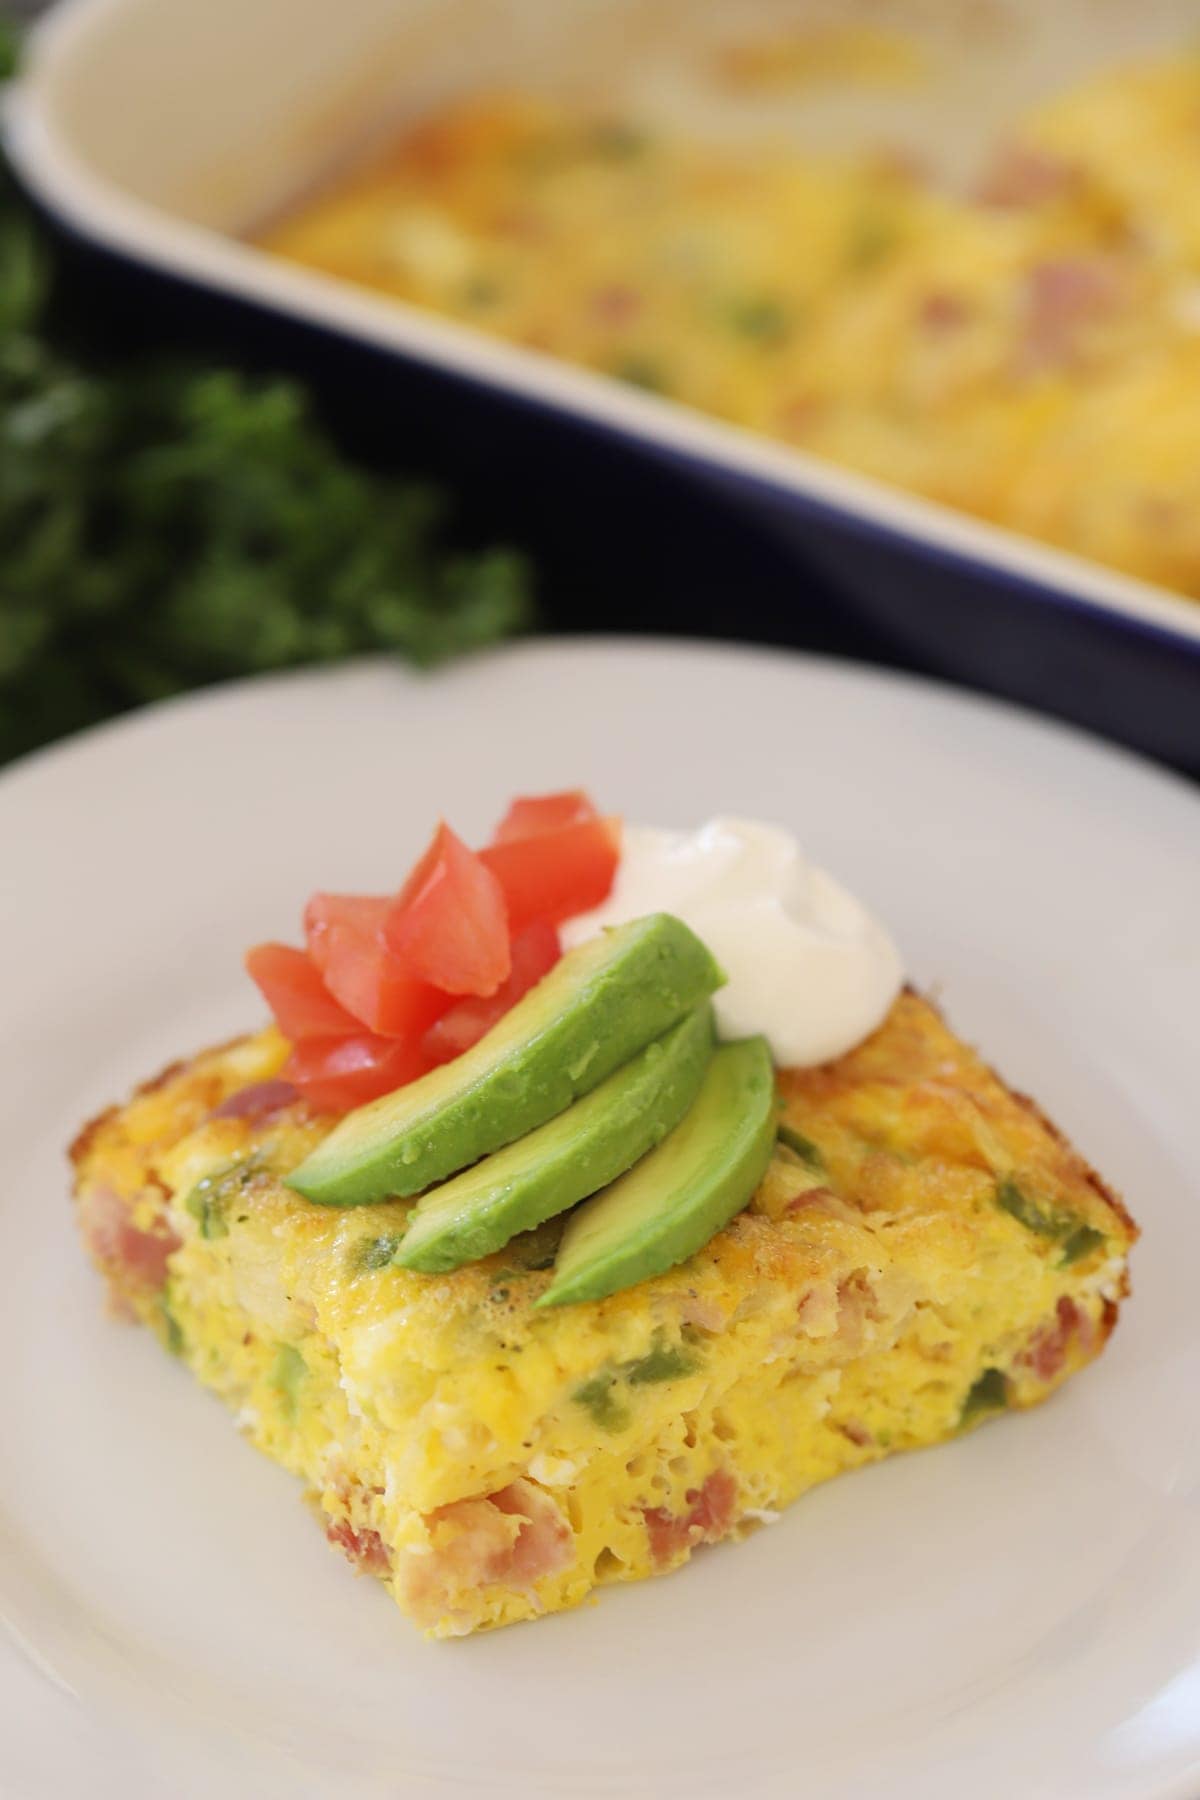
x: 231, y: 110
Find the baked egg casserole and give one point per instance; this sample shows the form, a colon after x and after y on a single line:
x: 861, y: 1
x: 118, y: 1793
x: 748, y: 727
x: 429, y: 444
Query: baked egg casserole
x: 1024, y: 347
x: 924, y: 1252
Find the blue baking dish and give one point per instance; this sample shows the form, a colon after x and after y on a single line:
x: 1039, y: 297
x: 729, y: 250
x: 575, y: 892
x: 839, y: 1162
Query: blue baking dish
x: 156, y: 132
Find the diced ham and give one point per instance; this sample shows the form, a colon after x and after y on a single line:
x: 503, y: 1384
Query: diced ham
x: 131, y: 1257
x: 1022, y: 176
x: 941, y: 312
x: 706, y: 1315
x: 823, y: 1309
x: 365, y: 1549
x: 857, y: 1303
x: 1064, y: 295
x: 710, y: 1515
x: 1047, y: 1350
x: 826, y: 1200
x: 615, y: 304
x: 712, y: 1508
x: 809, y: 1197
x: 262, y: 1100
x: 798, y: 415
x: 817, y: 1310
x: 544, y: 1544
x: 522, y: 223
x: 1085, y: 1331
x: 516, y: 1536
x: 670, y: 1534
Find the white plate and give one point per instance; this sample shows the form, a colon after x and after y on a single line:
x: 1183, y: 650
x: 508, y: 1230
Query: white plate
x: 1014, y: 1615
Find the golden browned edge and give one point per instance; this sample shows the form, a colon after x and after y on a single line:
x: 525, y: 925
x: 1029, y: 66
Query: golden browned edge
x: 84, y: 1138
x: 1094, y: 1179
x: 1092, y: 1176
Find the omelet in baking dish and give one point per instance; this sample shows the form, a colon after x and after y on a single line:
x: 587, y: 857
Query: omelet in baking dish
x: 923, y: 1252
x: 1026, y: 348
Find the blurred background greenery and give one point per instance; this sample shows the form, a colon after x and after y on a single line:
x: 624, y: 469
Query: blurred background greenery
x: 165, y: 523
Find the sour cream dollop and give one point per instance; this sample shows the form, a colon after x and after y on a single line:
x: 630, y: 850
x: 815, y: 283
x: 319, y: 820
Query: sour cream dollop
x: 808, y: 965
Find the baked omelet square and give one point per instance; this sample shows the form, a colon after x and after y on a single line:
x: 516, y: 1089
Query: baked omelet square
x: 925, y: 1252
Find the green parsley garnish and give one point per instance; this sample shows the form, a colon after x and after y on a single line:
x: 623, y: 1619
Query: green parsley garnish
x: 600, y: 1397
x: 597, y: 1398
x: 375, y: 1253
x: 171, y: 1326
x: 1046, y: 1221
x: 1077, y: 1238
x: 665, y: 1362
x: 164, y: 524
x: 987, y: 1394
x: 1082, y: 1241
x: 287, y: 1372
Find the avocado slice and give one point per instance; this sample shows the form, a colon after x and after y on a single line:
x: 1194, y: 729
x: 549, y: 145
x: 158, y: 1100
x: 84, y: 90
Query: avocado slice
x: 600, y: 1005
x: 673, y: 1201
x: 563, y: 1161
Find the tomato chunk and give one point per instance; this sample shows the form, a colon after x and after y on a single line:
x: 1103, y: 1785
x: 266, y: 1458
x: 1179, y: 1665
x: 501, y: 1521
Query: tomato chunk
x: 449, y: 923
x: 337, y: 1074
x: 556, y: 873
x: 531, y: 814
x: 534, y: 953
x: 346, y: 942
x: 290, y: 983
x: 389, y: 986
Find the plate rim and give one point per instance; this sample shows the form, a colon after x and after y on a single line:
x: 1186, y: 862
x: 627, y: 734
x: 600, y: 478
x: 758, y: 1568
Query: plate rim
x: 142, y: 716
x: 150, y: 718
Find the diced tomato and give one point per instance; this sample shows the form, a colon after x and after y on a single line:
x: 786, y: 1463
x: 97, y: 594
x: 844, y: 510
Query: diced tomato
x: 389, y: 987
x: 346, y: 942
x: 534, y: 953
x: 449, y: 923
x: 558, y: 872
x: 337, y: 1074
x: 531, y: 814
x: 291, y: 985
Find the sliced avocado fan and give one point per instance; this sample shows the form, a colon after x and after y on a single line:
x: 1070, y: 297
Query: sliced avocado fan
x: 672, y: 1201
x: 563, y: 1161
x: 599, y: 1006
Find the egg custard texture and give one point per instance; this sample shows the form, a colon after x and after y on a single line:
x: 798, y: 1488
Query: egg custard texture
x: 924, y: 1251
x: 1024, y: 347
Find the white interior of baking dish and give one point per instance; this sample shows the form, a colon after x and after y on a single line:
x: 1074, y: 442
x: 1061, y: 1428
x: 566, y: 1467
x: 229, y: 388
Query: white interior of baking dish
x: 162, y: 129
